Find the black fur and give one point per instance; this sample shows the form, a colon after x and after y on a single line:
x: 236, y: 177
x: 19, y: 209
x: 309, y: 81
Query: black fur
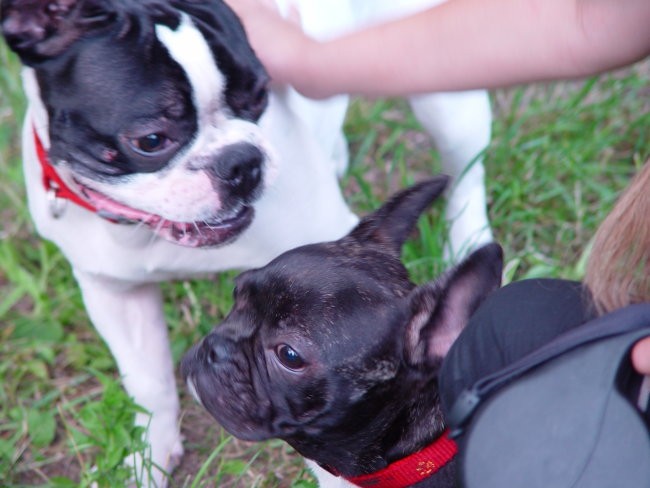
x: 106, y: 79
x: 363, y: 391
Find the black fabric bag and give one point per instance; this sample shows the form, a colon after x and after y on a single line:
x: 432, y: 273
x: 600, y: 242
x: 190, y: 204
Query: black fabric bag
x: 566, y: 415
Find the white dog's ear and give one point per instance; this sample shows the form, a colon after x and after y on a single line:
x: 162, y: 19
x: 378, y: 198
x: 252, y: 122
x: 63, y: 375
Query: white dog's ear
x: 441, y: 309
x: 390, y: 225
x: 38, y: 30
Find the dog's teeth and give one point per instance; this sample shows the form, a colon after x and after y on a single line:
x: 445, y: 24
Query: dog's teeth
x: 193, y: 392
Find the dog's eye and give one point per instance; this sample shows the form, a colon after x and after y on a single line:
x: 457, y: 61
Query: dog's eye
x: 151, y: 143
x: 289, y: 357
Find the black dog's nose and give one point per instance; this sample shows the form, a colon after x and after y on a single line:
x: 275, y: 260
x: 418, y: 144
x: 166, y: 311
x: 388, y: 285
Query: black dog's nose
x: 239, y: 166
x: 217, y: 349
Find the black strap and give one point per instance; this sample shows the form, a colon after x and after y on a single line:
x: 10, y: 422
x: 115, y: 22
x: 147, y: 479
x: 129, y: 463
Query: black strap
x: 616, y: 323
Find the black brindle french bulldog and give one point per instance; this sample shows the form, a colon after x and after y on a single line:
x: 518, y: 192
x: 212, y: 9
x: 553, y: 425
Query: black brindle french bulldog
x: 333, y: 349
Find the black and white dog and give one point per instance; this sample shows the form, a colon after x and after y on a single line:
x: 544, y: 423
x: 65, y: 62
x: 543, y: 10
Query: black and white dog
x: 331, y: 348
x: 153, y: 151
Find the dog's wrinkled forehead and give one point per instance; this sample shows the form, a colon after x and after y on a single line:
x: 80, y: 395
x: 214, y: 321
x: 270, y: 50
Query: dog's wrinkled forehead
x: 328, y: 280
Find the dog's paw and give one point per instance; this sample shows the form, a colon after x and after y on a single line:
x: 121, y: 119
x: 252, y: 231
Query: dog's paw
x: 175, y: 456
x: 153, y: 468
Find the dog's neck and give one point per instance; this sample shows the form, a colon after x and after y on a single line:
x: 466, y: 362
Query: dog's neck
x: 422, y: 468
x: 396, y: 432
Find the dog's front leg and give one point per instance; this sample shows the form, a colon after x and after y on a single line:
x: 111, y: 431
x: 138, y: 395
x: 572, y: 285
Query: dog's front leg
x: 460, y: 125
x: 129, y: 317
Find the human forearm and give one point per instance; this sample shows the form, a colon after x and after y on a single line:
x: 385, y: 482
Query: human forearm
x: 483, y: 44
x: 466, y: 44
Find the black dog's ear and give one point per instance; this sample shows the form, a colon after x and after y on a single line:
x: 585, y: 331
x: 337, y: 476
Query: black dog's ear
x: 38, y: 30
x: 391, y: 224
x: 441, y: 309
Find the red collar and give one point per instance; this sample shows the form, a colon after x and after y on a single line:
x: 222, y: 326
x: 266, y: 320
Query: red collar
x: 411, y: 469
x: 56, y: 188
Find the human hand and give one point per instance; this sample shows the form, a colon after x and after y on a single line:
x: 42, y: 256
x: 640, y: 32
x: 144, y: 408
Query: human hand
x: 641, y: 356
x: 280, y: 43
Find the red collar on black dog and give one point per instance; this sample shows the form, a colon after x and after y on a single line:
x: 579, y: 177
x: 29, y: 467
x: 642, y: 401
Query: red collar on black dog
x: 411, y: 469
x: 53, y: 183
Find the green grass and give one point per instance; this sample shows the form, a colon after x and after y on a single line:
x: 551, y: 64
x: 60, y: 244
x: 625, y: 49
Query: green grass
x: 559, y: 157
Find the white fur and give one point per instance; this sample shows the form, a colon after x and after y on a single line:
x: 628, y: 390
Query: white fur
x: 188, y: 47
x: 327, y: 479
x: 117, y: 266
x: 179, y: 192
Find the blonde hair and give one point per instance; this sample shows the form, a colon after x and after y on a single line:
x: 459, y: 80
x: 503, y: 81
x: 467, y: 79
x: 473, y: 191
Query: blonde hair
x: 618, y: 270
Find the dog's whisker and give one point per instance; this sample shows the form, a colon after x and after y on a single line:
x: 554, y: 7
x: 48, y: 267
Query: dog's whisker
x: 154, y: 233
x: 137, y: 227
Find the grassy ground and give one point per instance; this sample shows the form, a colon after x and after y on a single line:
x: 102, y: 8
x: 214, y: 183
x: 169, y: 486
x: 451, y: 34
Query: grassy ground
x: 560, y: 155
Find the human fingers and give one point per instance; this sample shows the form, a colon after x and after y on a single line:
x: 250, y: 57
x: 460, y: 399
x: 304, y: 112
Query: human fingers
x: 641, y: 356
x: 279, y: 43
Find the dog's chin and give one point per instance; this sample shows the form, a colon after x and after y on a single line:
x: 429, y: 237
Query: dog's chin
x: 216, y: 231
x: 248, y: 433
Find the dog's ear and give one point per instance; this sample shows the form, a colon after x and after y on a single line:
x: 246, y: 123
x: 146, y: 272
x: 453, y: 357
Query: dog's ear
x: 391, y: 224
x: 441, y: 309
x: 38, y: 30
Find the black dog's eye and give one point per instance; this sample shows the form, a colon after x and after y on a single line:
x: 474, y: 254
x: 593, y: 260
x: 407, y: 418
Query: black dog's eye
x: 151, y: 143
x: 289, y: 357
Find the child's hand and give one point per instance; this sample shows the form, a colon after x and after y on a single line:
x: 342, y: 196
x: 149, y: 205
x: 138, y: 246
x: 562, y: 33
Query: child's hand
x: 279, y: 42
x: 641, y: 356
